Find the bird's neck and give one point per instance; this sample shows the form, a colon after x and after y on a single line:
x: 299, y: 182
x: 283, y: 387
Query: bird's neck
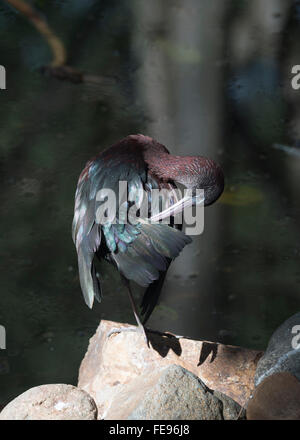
x: 182, y: 169
x: 191, y: 171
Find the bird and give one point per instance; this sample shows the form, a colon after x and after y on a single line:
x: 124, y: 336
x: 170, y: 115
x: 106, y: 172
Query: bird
x: 141, y: 251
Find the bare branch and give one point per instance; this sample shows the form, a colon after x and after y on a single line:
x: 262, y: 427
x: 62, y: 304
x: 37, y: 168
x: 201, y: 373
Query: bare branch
x: 55, y: 44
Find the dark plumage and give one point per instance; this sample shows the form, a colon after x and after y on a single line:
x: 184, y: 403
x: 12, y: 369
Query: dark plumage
x: 141, y: 252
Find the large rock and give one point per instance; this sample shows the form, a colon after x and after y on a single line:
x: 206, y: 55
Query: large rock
x: 51, y: 402
x: 282, y: 353
x: 180, y: 395
x: 277, y: 397
x: 118, y: 370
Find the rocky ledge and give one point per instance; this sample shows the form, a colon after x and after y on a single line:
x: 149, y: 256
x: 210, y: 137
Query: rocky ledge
x: 120, y: 372
x: 120, y: 378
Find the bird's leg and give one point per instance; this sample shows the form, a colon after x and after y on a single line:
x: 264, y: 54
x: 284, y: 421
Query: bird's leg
x: 139, y: 323
x: 140, y: 327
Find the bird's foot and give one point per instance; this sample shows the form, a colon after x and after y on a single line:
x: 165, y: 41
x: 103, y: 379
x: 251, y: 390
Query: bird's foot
x: 132, y: 328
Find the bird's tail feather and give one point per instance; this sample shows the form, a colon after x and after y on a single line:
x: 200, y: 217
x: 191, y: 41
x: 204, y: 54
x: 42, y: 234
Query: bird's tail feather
x: 89, y: 282
x: 151, y: 295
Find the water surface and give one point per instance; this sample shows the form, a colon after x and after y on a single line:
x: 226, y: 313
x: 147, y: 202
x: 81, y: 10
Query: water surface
x: 202, y: 77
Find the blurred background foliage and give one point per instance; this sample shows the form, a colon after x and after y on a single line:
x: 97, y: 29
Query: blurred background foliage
x: 209, y: 77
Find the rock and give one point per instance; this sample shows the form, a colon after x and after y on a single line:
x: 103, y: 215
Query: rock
x: 277, y: 397
x: 51, y: 402
x: 281, y: 354
x: 231, y: 409
x: 180, y: 395
x: 118, y: 370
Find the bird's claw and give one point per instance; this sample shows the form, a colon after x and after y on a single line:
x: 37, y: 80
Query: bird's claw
x: 130, y: 329
x: 120, y: 329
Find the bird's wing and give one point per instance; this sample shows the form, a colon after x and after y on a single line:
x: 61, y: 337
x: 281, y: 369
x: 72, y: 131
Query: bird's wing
x: 140, y: 251
x: 146, y: 256
x: 88, y: 231
x: 87, y: 238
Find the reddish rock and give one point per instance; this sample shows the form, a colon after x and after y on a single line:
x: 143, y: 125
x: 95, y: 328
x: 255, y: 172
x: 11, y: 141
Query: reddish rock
x: 115, y: 365
x: 276, y: 398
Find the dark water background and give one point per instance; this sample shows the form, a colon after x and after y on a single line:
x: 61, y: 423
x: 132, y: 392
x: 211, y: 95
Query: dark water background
x: 209, y: 77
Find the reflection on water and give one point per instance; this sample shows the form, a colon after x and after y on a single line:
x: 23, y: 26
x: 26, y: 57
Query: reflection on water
x: 206, y: 77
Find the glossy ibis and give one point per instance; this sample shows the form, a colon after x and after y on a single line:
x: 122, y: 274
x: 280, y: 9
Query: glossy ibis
x: 141, y: 252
